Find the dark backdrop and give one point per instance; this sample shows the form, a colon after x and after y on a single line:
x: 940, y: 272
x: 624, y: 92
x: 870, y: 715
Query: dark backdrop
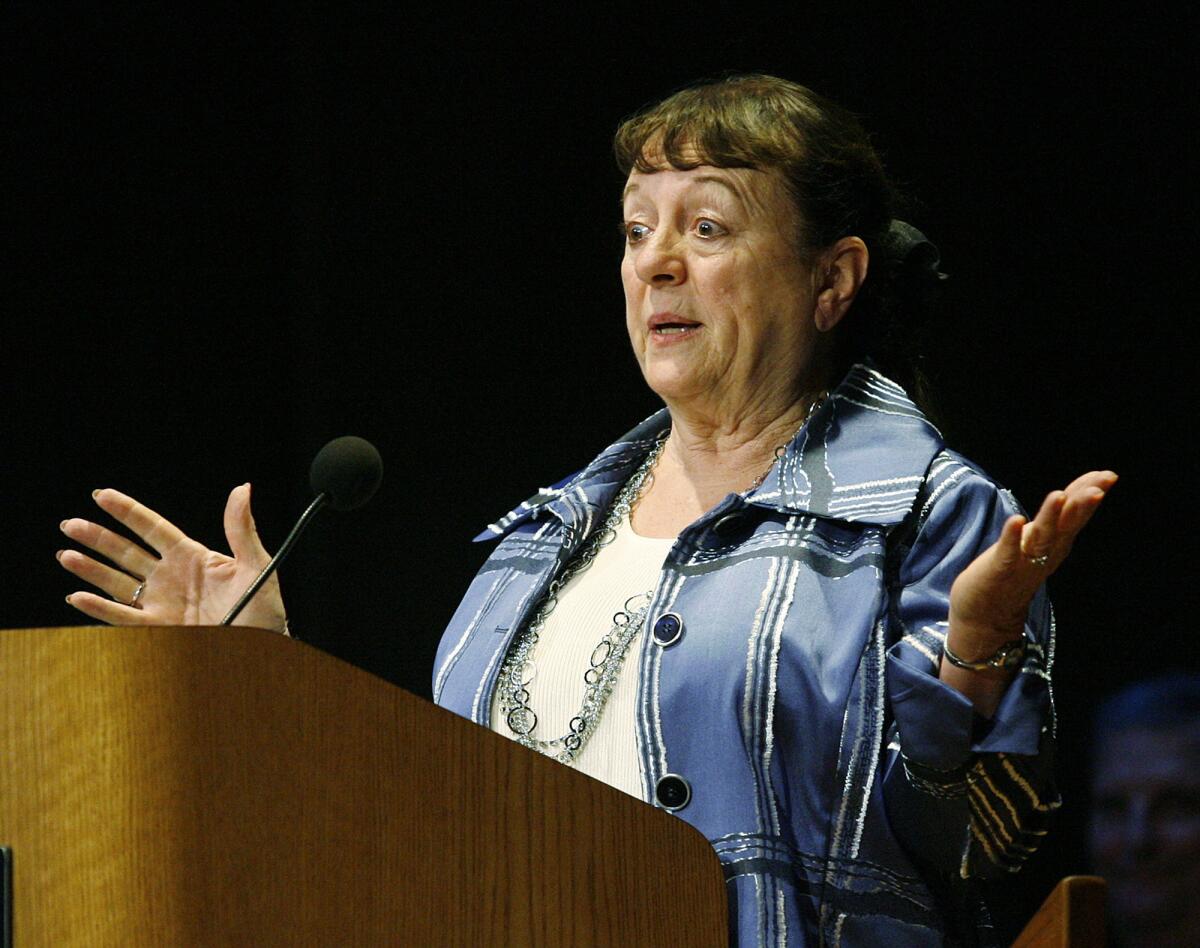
x: 234, y: 235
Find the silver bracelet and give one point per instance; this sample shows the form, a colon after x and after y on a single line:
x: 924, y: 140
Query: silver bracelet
x: 1007, y: 656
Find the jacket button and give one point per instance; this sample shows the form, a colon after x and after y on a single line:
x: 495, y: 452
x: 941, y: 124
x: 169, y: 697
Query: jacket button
x: 672, y: 792
x: 730, y: 524
x: 730, y: 528
x: 667, y: 629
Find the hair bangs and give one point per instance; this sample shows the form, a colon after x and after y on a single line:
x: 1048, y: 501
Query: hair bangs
x: 717, y: 125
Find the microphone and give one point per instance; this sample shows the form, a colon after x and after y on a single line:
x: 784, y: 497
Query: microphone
x: 345, y: 474
x: 349, y: 470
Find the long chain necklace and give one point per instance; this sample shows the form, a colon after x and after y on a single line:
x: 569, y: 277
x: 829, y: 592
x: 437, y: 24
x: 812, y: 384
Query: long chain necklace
x: 608, y: 655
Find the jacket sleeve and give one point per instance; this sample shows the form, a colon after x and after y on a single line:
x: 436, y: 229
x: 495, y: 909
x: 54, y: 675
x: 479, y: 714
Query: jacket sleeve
x: 962, y: 792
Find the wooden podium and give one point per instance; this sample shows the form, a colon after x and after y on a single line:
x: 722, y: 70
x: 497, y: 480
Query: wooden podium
x: 191, y: 787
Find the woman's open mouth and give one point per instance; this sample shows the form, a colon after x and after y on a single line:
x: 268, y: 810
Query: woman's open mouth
x: 667, y: 327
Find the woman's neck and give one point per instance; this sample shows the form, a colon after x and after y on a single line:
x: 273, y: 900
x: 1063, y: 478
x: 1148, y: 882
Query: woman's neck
x: 730, y: 454
x: 705, y: 459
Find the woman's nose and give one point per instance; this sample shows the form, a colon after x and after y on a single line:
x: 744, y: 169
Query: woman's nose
x: 659, y: 261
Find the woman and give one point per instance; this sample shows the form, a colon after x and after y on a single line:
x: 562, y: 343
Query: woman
x: 780, y: 607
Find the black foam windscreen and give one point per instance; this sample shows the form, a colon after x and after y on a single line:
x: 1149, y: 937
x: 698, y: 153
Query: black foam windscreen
x: 349, y: 470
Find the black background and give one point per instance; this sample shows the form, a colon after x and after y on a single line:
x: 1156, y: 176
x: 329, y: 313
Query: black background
x: 234, y: 235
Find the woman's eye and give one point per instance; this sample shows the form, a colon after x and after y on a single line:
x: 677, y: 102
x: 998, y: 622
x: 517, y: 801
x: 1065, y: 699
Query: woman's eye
x: 708, y: 228
x: 636, y: 232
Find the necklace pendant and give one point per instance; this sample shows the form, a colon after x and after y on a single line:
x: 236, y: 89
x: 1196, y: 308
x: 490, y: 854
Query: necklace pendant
x: 521, y: 721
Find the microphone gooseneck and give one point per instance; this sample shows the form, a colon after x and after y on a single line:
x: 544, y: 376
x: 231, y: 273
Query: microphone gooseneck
x: 345, y: 475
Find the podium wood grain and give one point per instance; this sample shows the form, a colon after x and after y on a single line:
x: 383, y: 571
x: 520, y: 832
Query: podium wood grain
x: 231, y: 787
x: 1071, y: 917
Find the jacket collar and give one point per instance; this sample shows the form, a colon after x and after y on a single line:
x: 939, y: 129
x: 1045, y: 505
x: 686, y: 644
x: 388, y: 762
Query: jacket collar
x: 861, y: 457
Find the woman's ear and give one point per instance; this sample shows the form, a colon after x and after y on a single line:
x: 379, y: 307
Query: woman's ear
x: 841, y: 269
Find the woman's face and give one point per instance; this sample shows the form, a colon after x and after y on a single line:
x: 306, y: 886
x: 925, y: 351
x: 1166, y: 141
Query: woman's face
x: 719, y: 304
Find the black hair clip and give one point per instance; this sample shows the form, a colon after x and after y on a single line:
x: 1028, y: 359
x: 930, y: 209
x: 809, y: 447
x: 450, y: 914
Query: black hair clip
x: 912, y: 254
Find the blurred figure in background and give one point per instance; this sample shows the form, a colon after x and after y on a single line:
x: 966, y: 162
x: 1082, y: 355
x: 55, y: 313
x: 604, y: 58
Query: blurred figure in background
x: 1145, y: 827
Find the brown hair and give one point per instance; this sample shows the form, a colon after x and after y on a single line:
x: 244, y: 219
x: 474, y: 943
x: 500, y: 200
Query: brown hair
x: 834, y: 174
x: 835, y: 178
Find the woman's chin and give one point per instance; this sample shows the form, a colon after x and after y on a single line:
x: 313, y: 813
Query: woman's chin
x: 674, y: 383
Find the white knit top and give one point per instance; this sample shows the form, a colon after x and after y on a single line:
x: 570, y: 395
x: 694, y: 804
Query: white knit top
x: 628, y: 566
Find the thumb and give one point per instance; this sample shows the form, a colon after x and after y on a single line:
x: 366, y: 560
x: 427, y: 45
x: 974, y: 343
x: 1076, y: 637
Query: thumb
x: 240, y: 530
x: 1008, y: 546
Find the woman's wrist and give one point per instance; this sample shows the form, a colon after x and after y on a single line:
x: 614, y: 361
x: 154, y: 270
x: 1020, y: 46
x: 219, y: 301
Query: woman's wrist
x: 974, y: 646
x: 1007, y: 656
x: 976, y: 641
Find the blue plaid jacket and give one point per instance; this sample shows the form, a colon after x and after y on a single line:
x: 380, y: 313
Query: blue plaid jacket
x: 848, y: 793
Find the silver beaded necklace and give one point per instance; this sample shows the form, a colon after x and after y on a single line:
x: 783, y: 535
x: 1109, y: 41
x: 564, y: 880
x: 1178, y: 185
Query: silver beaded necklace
x: 607, y: 657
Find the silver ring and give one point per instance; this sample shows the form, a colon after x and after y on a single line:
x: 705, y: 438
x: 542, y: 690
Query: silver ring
x: 1039, y: 561
x: 137, y: 594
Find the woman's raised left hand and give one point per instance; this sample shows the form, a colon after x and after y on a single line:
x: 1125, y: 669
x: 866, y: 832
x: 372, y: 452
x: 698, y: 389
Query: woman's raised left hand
x: 990, y: 598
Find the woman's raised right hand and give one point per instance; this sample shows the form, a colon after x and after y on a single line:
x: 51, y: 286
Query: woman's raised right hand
x: 185, y: 582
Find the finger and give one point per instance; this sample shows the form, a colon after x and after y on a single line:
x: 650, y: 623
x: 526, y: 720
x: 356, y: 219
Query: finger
x: 1105, y: 480
x: 1038, y: 536
x: 1081, y: 505
x: 1008, y: 546
x: 240, y: 530
x: 120, y: 550
x: 155, y: 529
x: 114, y: 613
x: 121, y: 586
